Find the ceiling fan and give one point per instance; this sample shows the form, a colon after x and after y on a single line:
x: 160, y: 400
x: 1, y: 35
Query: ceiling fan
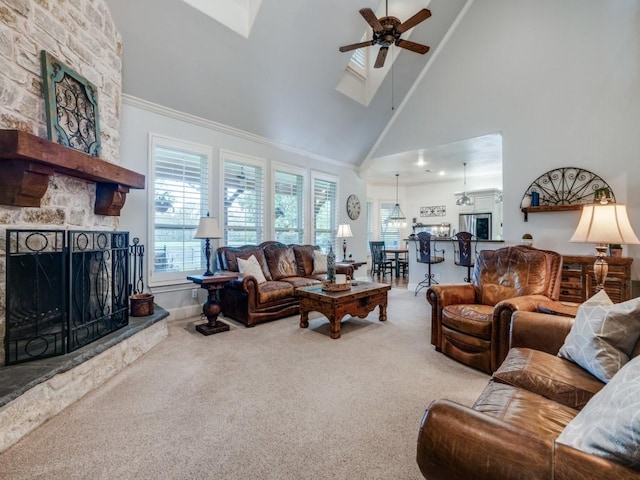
x: 387, y: 31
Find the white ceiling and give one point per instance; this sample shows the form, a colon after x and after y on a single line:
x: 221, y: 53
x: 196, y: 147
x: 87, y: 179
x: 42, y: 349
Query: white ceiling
x: 280, y: 81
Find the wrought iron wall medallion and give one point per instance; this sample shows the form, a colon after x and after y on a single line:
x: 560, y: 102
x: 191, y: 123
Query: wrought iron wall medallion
x: 435, y: 211
x: 568, y: 186
x: 71, y: 106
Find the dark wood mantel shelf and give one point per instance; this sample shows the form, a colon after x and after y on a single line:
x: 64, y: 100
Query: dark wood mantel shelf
x: 27, y: 162
x: 550, y: 208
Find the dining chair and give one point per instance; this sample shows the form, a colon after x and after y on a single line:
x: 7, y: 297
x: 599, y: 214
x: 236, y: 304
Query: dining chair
x: 379, y: 261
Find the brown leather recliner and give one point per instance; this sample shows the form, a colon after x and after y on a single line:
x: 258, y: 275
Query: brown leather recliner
x: 470, y: 322
x: 510, y: 432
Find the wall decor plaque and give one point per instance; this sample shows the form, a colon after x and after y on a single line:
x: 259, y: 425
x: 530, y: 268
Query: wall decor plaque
x: 435, y: 211
x: 71, y: 106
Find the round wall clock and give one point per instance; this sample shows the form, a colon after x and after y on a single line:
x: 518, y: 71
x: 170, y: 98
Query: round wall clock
x: 353, y: 207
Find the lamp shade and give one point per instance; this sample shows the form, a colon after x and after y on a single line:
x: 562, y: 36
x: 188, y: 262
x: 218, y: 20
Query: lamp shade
x: 604, y: 223
x: 344, y: 231
x: 208, y: 228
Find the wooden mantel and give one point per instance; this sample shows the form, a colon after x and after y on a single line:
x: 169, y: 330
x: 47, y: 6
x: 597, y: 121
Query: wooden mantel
x: 27, y: 162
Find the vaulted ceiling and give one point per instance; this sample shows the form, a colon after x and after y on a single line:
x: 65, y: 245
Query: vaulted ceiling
x: 280, y: 81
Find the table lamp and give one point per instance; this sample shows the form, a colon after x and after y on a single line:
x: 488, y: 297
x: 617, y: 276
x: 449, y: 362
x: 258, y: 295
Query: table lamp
x: 604, y: 223
x: 344, y: 232
x: 208, y: 229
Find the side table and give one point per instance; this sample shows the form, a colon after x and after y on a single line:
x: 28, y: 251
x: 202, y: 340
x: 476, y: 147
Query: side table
x: 211, y: 308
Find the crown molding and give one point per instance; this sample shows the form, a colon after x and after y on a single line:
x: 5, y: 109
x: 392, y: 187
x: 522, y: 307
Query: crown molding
x: 219, y: 127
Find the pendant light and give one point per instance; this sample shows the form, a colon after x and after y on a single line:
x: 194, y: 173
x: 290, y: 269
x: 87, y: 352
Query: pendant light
x: 464, y: 200
x: 397, y: 218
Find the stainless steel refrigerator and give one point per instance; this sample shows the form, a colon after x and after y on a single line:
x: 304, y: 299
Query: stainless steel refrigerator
x: 478, y: 224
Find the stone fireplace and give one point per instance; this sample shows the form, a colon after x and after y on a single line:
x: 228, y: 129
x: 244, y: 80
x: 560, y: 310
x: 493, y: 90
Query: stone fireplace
x: 49, y: 187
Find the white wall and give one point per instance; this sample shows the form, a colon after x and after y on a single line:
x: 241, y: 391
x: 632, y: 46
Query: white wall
x: 139, y: 119
x: 559, y: 80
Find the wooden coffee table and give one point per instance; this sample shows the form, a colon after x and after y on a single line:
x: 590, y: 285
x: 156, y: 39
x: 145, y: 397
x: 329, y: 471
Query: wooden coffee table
x: 361, y: 299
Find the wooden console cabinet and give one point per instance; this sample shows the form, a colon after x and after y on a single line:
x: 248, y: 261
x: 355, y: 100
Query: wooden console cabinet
x: 578, y: 283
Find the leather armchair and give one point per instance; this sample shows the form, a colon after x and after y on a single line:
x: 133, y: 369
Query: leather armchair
x: 510, y: 431
x: 470, y: 322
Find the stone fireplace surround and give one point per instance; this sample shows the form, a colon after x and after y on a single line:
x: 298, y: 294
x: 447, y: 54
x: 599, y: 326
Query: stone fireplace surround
x: 82, y: 34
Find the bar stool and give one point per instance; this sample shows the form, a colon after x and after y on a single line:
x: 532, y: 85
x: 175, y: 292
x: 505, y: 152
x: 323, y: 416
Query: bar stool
x: 426, y: 252
x: 465, y: 251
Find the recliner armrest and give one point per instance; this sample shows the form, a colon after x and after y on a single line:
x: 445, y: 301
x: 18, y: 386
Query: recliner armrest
x: 455, y: 441
x: 451, y: 294
x: 539, y: 331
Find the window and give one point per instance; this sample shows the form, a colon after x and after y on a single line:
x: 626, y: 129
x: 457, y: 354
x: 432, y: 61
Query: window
x: 178, y: 199
x: 243, y: 200
x: 370, y: 223
x: 288, y: 204
x: 390, y: 235
x: 325, y: 212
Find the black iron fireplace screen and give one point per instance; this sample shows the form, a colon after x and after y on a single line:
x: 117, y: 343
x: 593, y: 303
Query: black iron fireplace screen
x: 64, y: 290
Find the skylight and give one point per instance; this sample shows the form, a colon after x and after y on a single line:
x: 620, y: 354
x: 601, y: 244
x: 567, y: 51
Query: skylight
x: 238, y: 15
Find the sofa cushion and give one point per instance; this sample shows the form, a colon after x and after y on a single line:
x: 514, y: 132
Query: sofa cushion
x: 473, y: 320
x: 232, y: 254
x: 319, y: 263
x: 548, y: 375
x: 524, y: 409
x: 304, y: 259
x: 609, y: 425
x: 281, y: 261
x: 251, y: 267
x: 274, y: 291
x: 301, y: 281
x: 603, y: 335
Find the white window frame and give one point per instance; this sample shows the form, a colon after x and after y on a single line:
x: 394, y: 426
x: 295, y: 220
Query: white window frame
x: 235, y: 157
x: 316, y: 175
x: 156, y: 140
x: 304, y: 197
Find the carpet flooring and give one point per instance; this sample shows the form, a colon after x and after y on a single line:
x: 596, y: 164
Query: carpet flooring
x: 270, y: 402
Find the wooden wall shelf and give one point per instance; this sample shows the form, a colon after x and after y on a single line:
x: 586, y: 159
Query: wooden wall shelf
x: 550, y: 208
x: 27, y: 162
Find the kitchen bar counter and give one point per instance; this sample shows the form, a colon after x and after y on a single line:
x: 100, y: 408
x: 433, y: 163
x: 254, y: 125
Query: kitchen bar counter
x: 447, y: 271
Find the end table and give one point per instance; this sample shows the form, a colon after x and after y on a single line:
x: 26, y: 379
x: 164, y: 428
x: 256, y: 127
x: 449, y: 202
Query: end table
x: 211, y: 307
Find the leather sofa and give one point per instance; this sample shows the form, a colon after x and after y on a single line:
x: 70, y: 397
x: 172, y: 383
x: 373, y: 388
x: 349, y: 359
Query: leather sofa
x: 470, y: 321
x: 510, y: 432
x: 285, y: 267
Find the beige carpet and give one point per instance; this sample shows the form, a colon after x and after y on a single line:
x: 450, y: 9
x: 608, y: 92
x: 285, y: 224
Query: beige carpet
x: 270, y: 402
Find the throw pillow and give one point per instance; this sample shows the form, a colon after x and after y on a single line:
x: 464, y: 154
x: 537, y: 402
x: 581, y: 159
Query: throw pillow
x: 250, y: 266
x: 609, y: 425
x: 319, y: 263
x: 603, y: 335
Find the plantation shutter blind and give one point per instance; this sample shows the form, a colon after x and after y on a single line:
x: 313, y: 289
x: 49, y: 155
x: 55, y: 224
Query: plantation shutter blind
x: 324, y: 212
x: 289, y: 207
x: 180, y: 199
x: 244, y: 204
x: 390, y: 235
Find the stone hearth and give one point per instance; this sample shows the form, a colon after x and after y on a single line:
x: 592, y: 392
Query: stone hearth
x: 31, y: 393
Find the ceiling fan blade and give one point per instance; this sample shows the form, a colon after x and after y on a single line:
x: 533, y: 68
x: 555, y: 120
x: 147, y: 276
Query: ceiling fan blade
x: 413, y: 46
x: 354, y: 46
x: 382, y: 54
x: 372, y: 20
x: 421, y: 16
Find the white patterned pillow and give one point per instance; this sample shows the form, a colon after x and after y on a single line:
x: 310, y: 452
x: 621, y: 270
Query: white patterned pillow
x: 250, y: 266
x: 603, y: 335
x: 609, y: 425
x: 319, y: 263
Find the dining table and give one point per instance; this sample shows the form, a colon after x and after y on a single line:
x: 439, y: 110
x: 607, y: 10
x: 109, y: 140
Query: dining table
x: 396, y: 256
